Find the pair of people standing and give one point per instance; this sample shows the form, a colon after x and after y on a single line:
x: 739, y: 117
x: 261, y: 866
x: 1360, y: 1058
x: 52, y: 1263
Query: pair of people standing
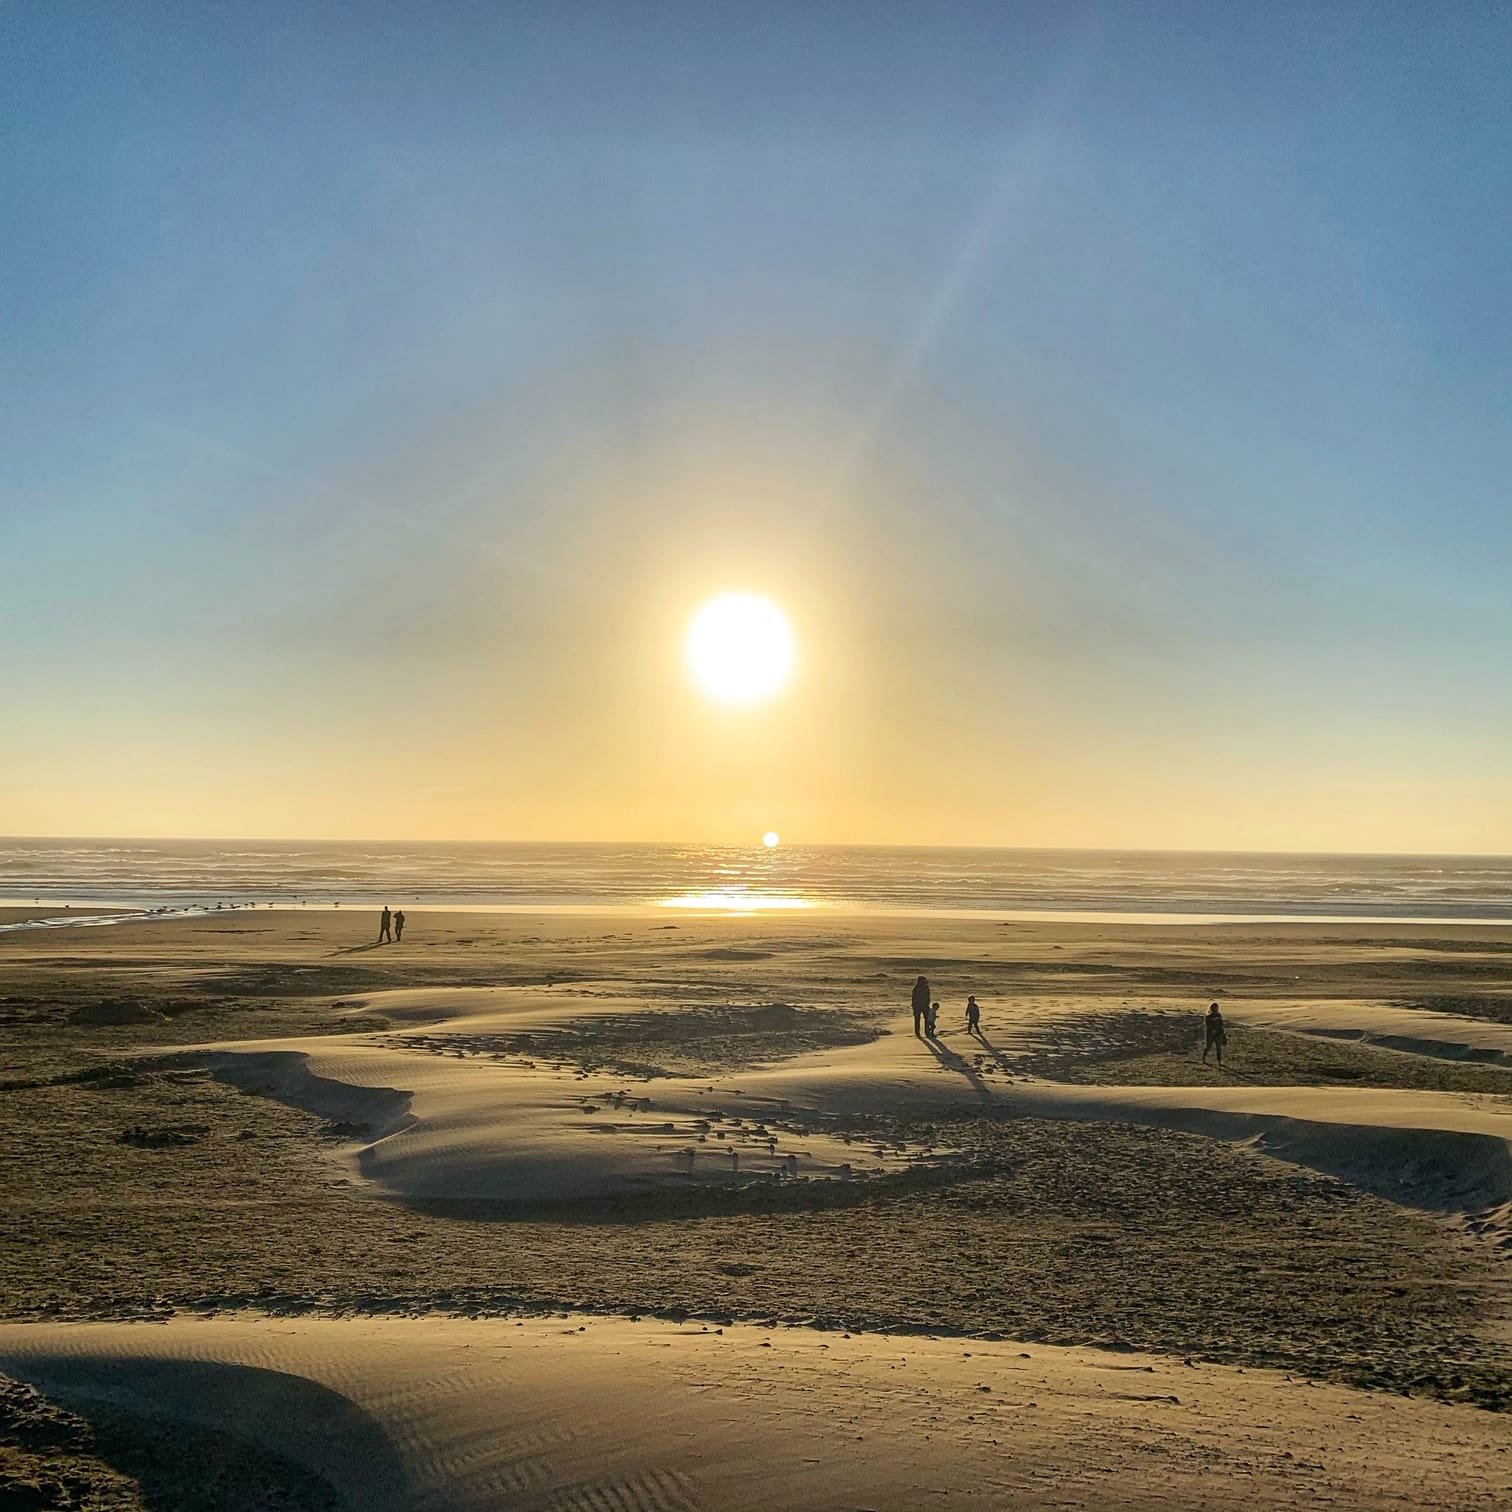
x: 390, y: 926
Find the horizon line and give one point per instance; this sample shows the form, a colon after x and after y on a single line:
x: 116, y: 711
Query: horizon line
x: 1104, y: 850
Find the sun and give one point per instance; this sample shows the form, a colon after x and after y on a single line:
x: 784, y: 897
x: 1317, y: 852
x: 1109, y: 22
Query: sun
x: 771, y: 839
x: 740, y: 648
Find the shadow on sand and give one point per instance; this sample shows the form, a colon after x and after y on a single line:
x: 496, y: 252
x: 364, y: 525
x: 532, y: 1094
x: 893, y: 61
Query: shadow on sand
x: 958, y: 1063
x: 1004, y: 1064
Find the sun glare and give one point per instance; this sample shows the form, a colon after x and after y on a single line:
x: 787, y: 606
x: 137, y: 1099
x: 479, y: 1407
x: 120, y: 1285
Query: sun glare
x: 737, y: 902
x: 771, y: 839
x: 740, y: 648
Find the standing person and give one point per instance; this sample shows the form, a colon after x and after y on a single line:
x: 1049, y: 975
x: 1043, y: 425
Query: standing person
x: 398, y: 926
x: 973, y: 1017
x: 1215, y: 1034
x: 931, y: 1020
x: 385, y: 921
x: 920, y: 1004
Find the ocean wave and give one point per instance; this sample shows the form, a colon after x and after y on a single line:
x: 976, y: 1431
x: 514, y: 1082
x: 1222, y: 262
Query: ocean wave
x: 158, y: 873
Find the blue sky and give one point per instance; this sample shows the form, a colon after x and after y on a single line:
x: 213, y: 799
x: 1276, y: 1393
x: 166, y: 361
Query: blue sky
x: 1117, y: 396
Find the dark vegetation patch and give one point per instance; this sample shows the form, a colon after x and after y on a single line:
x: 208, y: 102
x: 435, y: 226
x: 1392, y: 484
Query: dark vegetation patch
x: 366, y: 1023
x: 108, y: 1076
x: 116, y: 1011
x: 696, y: 1040
x: 1134, y: 1048
x: 297, y: 980
x: 1496, y: 1009
x: 1210, y: 981
x: 162, y: 1137
x: 312, y: 980
x: 46, y: 1041
x: 1436, y: 945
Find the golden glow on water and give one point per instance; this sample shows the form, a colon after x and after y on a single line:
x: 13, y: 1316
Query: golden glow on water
x: 740, y: 902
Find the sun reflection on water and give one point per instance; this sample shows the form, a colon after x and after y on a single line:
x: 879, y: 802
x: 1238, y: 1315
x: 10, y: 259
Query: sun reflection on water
x: 739, y: 902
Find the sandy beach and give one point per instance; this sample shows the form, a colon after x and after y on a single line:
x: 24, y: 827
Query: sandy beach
x: 553, y: 1413
x: 428, y: 1186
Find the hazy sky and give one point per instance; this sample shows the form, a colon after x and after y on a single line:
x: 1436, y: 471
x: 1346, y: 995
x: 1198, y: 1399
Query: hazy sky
x: 1116, y: 397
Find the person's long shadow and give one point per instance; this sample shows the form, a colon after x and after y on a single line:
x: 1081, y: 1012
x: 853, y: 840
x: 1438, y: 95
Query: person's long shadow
x: 1004, y: 1064
x: 358, y: 949
x: 1227, y: 1070
x: 953, y: 1062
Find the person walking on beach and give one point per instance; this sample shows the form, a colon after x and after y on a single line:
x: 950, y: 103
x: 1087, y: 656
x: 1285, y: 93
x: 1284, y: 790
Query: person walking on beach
x: 931, y: 1020
x: 920, y: 1004
x: 973, y: 1017
x: 1214, y: 1035
x: 385, y: 923
x: 398, y: 926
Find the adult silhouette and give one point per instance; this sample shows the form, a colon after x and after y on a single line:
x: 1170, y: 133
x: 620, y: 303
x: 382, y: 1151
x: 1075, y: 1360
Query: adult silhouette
x: 920, y: 1005
x: 385, y: 925
x: 398, y: 926
x: 1214, y: 1033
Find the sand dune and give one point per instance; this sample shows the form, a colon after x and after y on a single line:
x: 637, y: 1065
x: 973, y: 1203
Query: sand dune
x: 476, y: 1124
x: 1442, y: 1151
x: 1413, y: 1030
x: 1041, y: 1024
x: 467, y: 1129
x: 574, y: 1413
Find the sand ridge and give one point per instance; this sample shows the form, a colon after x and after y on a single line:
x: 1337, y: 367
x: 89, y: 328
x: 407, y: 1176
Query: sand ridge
x: 575, y: 1413
x: 1388, y: 1025
x: 480, y: 1124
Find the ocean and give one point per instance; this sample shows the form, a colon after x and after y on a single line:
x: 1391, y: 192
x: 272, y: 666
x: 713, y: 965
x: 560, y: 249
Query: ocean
x: 179, y: 874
